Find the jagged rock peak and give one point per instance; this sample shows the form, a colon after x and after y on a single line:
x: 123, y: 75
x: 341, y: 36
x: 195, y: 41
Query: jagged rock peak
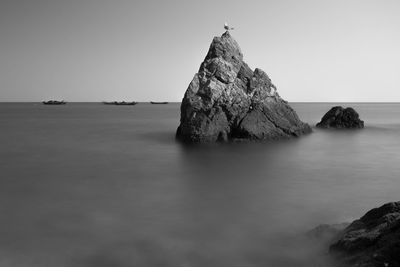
x: 227, y: 100
x: 225, y: 47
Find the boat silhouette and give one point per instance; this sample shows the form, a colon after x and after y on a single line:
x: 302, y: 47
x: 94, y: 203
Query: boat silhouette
x: 54, y: 102
x: 120, y: 103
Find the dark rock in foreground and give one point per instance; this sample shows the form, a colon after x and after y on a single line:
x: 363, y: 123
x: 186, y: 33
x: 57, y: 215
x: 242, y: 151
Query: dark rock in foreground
x: 373, y: 240
x: 227, y: 100
x: 339, y: 117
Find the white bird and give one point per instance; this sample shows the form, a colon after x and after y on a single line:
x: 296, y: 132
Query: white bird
x: 226, y: 27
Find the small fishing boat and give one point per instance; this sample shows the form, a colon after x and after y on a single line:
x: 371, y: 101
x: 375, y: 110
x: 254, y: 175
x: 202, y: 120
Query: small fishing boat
x: 54, y: 102
x: 121, y: 103
x: 152, y: 102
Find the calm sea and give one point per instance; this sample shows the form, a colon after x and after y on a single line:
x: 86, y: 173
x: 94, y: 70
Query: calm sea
x: 95, y: 185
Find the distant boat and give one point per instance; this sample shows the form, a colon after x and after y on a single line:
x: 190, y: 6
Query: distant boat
x: 121, y: 103
x: 158, y: 102
x: 54, y: 102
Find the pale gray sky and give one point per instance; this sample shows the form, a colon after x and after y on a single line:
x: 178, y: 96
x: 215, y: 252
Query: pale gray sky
x: 93, y: 50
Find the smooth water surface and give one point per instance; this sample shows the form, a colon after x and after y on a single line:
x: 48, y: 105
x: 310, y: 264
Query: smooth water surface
x: 98, y: 185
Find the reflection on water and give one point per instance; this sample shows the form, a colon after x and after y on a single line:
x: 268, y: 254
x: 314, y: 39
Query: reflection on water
x: 93, y: 185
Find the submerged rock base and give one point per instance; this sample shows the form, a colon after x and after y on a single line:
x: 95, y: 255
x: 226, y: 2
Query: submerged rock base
x: 227, y: 100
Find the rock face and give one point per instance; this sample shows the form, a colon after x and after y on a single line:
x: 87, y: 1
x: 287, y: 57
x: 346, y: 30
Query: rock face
x: 339, y: 117
x: 227, y: 100
x: 373, y: 240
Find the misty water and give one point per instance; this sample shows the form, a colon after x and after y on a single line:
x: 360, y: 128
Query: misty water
x: 98, y: 185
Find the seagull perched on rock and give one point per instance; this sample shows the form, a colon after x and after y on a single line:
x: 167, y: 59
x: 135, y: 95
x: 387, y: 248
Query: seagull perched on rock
x: 226, y: 27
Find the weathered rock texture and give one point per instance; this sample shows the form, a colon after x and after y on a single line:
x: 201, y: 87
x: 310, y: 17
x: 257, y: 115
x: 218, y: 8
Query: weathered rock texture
x: 339, y: 117
x: 373, y: 240
x: 227, y: 100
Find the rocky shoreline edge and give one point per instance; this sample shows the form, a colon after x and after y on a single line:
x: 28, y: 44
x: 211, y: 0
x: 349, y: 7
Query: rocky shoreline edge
x: 370, y: 241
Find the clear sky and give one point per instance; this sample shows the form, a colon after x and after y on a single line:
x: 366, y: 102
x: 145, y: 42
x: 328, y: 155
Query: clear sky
x: 94, y: 50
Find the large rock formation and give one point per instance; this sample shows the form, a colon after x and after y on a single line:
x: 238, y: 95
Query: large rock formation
x: 227, y: 100
x: 373, y: 240
x: 339, y: 117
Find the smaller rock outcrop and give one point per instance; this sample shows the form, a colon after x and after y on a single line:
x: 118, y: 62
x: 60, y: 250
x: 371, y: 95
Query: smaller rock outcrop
x: 373, y: 240
x: 339, y: 117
